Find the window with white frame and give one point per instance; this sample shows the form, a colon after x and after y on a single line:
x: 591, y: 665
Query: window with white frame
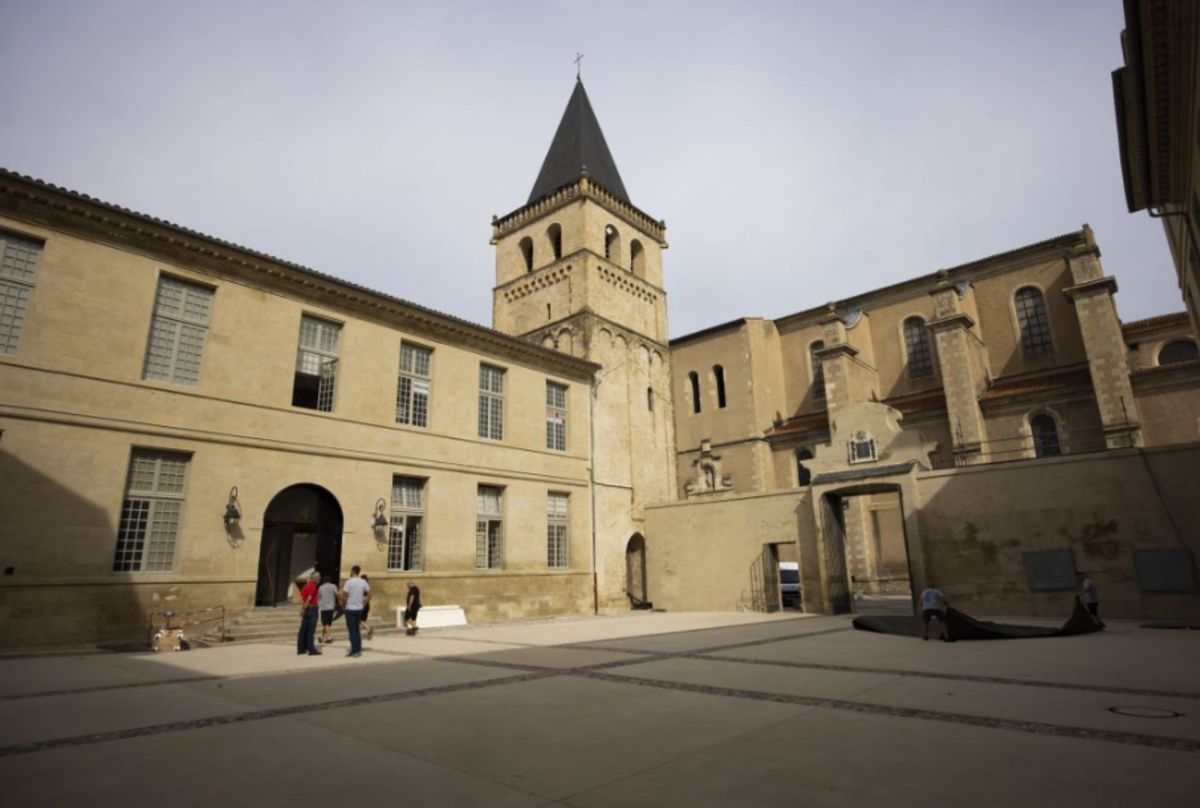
x: 178, y: 332
x: 491, y: 402
x: 1031, y: 318
x: 916, y: 345
x: 407, y: 523
x: 489, y: 528
x: 316, y: 364
x: 861, y: 447
x: 412, y: 392
x: 556, y: 530
x: 556, y: 416
x: 18, y: 265
x: 150, y: 513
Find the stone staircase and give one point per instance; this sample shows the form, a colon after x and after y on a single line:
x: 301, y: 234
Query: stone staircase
x: 279, y: 624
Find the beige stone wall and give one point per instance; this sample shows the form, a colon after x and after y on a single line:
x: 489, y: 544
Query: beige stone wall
x: 1009, y: 435
x: 1168, y: 401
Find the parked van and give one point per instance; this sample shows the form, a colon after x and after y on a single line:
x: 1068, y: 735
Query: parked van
x: 789, y: 584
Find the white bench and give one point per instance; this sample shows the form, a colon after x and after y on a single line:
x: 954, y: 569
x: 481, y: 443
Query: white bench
x: 435, y: 617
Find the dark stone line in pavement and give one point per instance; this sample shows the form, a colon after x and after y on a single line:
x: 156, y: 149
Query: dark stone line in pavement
x: 105, y: 688
x: 1032, y: 727
x: 719, y: 648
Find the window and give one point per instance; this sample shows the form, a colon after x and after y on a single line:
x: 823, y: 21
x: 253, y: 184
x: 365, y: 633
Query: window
x: 491, y: 403
x: 150, y: 514
x: 554, y: 232
x: 556, y: 416
x: 637, y: 258
x: 408, y: 517
x: 1045, y: 436
x: 916, y: 345
x: 18, y: 264
x: 694, y: 378
x: 861, y: 447
x: 650, y: 399
x: 1176, y: 351
x: 818, y: 369
x: 1031, y: 318
x: 719, y: 375
x: 178, y: 332
x: 316, y: 364
x: 526, y: 246
x: 412, y: 391
x: 612, y: 243
x: 556, y: 531
x: 489, y: 528
x: 803, y: 473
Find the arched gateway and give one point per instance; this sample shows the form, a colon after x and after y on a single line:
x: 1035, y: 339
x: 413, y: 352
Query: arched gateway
x: 301, y: 527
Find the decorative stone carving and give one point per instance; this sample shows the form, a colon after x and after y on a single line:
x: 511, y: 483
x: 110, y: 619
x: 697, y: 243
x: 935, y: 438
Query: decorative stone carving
x: 708, y: 479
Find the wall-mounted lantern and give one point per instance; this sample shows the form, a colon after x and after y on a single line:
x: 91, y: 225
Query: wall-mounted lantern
x: 233, y: 511
x: 380, y: 523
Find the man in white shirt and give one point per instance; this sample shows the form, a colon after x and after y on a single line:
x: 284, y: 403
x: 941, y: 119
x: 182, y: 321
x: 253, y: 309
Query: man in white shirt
x: 1090, y: 595
x: 356, y: 593
x: 933, y: 607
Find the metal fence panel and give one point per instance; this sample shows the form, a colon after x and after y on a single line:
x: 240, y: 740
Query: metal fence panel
x: 1050, y: 569
x: 1165, y: 570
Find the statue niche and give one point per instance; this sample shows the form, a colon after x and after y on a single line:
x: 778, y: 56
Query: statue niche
x: 708, y: 478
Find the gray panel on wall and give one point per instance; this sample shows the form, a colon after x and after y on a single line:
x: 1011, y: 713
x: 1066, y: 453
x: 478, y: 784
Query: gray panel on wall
x: 1050, y: 569
x: 1165, y: 570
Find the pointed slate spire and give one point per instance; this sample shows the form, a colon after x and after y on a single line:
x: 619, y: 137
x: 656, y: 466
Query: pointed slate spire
x: 578, y: 143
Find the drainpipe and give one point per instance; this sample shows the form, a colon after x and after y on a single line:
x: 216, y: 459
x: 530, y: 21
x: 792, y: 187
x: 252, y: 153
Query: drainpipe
x: 592, y: 488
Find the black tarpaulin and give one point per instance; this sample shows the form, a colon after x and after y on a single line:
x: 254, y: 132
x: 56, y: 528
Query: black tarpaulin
x: 964, y: 627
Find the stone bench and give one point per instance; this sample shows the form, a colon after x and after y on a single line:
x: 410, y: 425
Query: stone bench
x: 435, y: 617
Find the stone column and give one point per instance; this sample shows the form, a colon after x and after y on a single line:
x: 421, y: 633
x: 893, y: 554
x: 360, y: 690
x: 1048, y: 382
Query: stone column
x: 956, y: 349
x: 1092, y: 295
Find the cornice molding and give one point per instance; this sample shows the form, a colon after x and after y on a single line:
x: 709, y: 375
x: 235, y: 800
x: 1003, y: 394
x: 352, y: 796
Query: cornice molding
x: 583, y: 188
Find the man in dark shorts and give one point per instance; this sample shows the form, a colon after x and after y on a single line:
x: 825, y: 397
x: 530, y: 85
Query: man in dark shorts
x: 411, y: 606
x: 327, y: 603
x: 933, y: 607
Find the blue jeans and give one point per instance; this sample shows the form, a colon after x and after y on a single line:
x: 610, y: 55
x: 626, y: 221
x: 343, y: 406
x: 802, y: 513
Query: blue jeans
x: 306, y: 637
x: 352, y: 619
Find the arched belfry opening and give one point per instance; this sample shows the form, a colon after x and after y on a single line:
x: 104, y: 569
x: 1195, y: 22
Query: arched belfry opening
x: 302, y: 529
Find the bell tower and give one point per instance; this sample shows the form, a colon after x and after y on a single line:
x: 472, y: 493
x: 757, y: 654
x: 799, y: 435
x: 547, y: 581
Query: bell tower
x: 579, y: 270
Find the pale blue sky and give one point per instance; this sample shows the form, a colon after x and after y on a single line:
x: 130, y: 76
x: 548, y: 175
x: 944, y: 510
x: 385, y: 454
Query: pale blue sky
x: 799, y: 152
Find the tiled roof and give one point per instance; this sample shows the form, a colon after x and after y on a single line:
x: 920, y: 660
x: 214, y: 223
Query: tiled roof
x: 1161, y: 319
x: 1018, y: 385
x: 801, y: 423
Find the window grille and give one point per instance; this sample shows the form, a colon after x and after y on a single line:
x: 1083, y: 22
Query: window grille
x: 1045, y: 436
x: 491, y: 403
x: 1031, y: 317
x: 556, y: 416
x: 178, y: 332
x: 18, y: 265
x: 150, y: 513
x: 407, y: 521
x: 862, y: 448
x: 1180, y: 350
x: 818, y: 370
x: 412, y: 392
x: 916, y: 345
x: 316, y: 365
x: 556, y: 531
x: 489, y: 528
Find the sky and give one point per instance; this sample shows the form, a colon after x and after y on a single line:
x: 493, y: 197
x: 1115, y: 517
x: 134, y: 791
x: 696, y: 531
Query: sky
x: 800, y: 152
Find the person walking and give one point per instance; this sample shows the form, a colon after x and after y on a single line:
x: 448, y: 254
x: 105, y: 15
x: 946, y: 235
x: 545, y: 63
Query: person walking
x: 306, y: 637
x: 1090, y: 596
x: 356, y: 593
x: 327, y: 596
x: 933, y: 607
x: 411, y: 606
x: 366, y: 612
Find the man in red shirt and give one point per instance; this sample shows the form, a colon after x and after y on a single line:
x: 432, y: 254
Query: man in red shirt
x: 306, y: 639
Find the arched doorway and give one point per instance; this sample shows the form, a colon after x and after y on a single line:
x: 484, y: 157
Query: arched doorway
x: 635, y: 572
x: 301, y: 527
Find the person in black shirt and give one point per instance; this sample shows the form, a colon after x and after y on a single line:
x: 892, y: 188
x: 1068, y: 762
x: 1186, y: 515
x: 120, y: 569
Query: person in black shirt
x: 411, y: 607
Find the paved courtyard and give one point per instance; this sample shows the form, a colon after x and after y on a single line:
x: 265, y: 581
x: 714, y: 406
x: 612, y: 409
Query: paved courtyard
x: 641, y: 710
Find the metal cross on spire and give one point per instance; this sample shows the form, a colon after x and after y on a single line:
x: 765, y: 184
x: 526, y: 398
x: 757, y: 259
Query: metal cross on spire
x: 578, y: 66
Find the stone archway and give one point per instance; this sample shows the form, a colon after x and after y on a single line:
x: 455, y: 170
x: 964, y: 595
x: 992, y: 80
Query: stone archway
x: 635, y: 572
x: 302, y: 528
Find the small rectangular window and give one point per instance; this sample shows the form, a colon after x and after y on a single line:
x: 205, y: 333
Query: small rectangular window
x: 412, y: 392
x: 491, y: 402
x: 18, y: 265
x: 557, y: 544
x: 556, y: 416
x: 178, y: 332
x: 316, y: 364
x: 151, y: 511
x: 489, y: 528
x: 407, y: 523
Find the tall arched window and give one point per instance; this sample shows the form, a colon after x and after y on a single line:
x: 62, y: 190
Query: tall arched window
x: 612, y: 243
x: 650, y: 399
x: 803, y: 474
x: 694, y: 378
x: 719, y: 376
x: 1045, y: 436
x: 637, y: 258
x: 554, y: 233
x: 1176, y: 351
x: 526, y: 246
x: 1031, y: 318
x: 818, y: 370
x: 916, y: 345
